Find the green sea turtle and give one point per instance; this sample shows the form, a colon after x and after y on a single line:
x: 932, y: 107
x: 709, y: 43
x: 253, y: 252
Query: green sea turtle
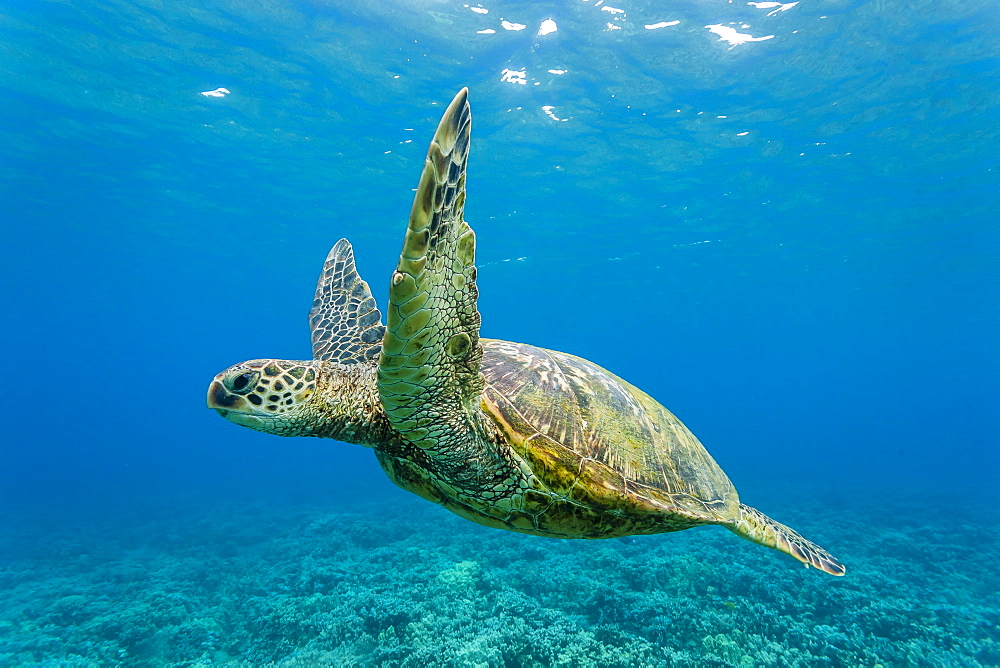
x: 504, y: 434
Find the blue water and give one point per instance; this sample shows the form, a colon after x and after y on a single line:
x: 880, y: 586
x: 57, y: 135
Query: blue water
x: 790, y: 239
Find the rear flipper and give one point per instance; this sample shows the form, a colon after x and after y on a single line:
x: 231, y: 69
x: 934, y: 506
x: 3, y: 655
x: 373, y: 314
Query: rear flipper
x: 761, y: 529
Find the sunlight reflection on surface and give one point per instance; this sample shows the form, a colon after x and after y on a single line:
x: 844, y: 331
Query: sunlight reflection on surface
x: 735, y: 38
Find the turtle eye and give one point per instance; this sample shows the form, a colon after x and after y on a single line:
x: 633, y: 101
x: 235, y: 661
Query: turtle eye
x: 242, y: 383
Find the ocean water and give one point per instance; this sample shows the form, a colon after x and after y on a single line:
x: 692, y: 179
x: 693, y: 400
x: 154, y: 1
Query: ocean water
x: 780, y: 220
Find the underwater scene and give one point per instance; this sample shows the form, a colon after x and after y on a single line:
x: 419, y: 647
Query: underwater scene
x: 777, y: 221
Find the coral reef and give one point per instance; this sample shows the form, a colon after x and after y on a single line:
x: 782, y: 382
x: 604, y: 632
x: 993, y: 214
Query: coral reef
x: 404, y: 583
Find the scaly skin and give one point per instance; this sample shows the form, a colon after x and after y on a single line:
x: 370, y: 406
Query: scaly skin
x: 303, y: 398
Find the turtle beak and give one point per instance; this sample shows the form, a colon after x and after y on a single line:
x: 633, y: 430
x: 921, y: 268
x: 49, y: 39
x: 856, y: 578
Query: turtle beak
x: 223, y: 401
x: 233, y: 407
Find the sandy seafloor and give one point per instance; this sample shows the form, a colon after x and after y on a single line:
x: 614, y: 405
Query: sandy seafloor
x: 404, y: 583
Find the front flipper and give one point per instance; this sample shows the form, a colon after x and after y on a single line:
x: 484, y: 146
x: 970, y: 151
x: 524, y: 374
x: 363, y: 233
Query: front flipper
x: 428, y: 375
x: 345, y: 322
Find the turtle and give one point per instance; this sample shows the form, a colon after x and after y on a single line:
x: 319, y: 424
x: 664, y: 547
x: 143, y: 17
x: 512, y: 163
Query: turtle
x: 505, y: 434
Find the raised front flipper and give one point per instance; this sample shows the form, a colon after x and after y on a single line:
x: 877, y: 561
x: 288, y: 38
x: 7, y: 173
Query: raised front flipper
x: 345, y: 322
x: 428, y: 376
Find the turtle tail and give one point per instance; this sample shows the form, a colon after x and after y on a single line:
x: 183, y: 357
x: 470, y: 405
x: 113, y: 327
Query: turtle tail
x: 757, y: 527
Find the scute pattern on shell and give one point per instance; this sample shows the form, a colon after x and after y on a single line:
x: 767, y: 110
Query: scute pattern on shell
x: 620, y: 435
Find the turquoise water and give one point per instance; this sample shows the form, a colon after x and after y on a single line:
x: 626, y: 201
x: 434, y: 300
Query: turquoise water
x: 780, y: 220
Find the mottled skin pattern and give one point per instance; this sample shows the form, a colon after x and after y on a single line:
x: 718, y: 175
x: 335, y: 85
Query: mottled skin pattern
x: 505, y: 434
x: 345, y: 322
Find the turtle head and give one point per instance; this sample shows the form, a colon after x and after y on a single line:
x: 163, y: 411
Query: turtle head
x: 274, y: 396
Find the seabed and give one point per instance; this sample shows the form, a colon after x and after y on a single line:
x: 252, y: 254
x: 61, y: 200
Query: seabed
x: 404, y: 583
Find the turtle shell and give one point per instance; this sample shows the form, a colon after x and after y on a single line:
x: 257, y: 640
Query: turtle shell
x: 600, y: 442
